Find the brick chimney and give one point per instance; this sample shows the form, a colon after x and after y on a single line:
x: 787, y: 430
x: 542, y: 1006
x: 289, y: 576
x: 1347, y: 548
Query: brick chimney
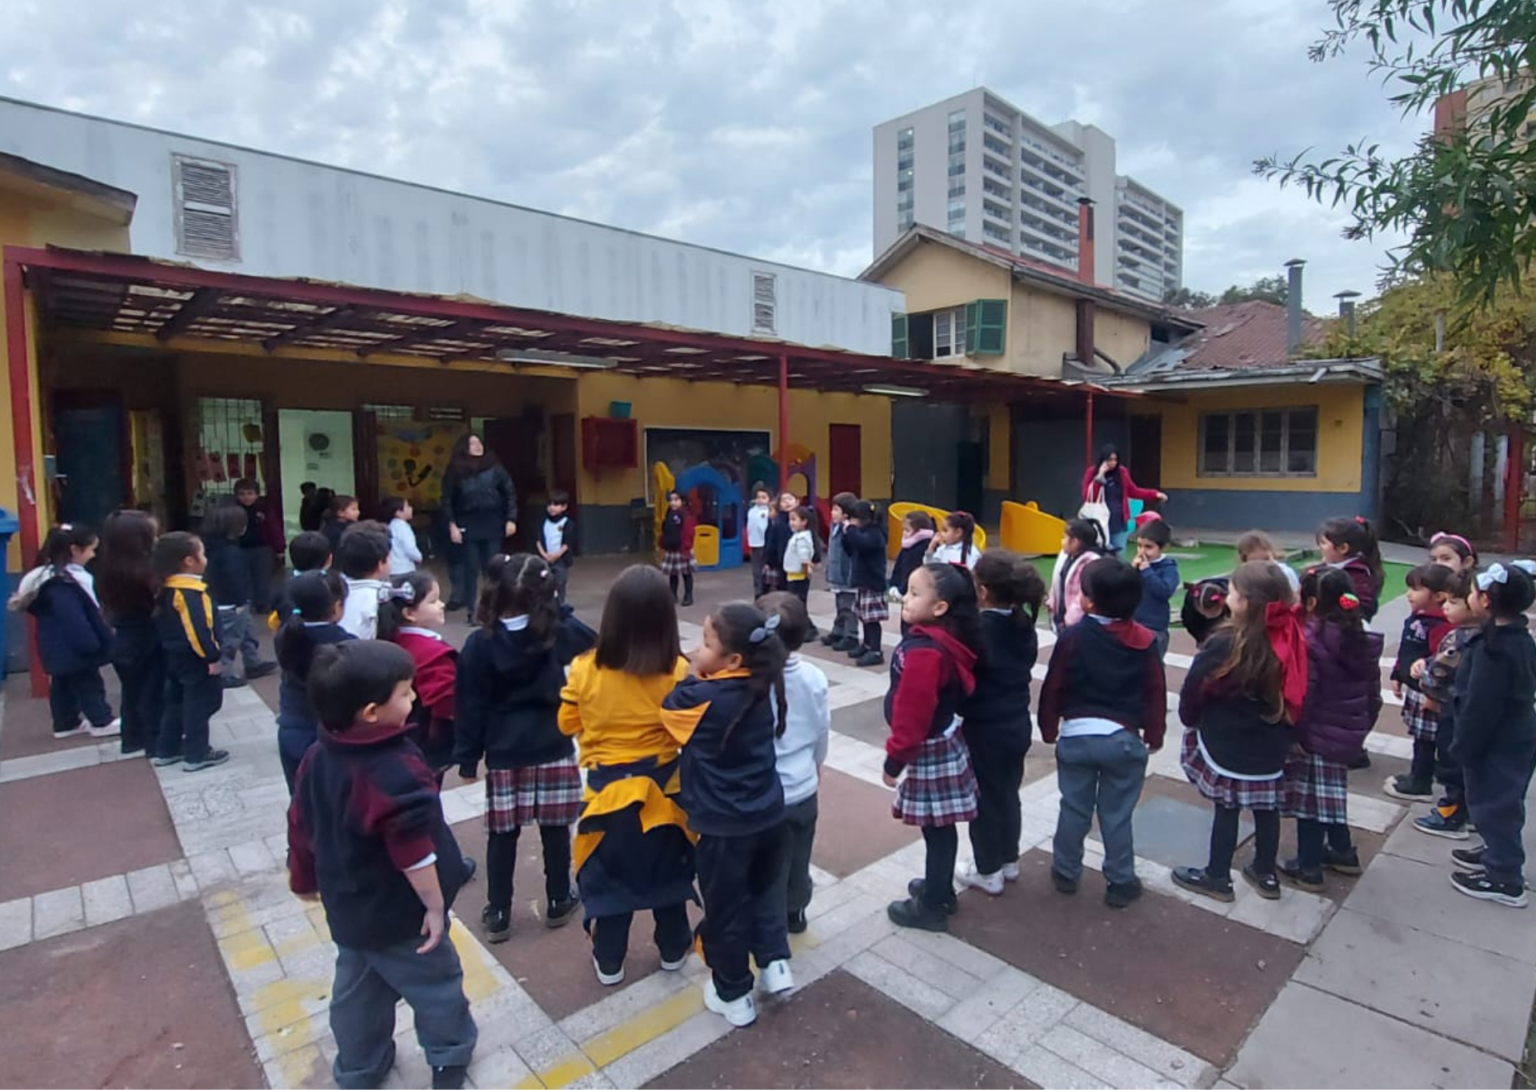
x: 1085, y: 240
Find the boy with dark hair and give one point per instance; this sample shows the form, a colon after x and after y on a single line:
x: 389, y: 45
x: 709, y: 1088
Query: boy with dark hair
x: 1106, y: 698
x: 309, y: 551
x: 845, y: 634
x: 366, y: 835
x: 557, y: 541
x: 363, y: 557
x: 188, y: 630
x: 1429, y: 585
x: 231, y: 586
x: 261, y: 543
x: 1159, y: 579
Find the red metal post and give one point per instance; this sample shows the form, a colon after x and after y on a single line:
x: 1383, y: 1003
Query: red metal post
x: 1088, y: 432
x: 19, y: 370
x: 1514, y: 487
x: 784, y: 423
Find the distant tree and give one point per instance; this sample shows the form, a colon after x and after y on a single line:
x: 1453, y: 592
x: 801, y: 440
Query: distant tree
x: 1188, y: 299
x: 1269, y: 289
x: 1465, y: 199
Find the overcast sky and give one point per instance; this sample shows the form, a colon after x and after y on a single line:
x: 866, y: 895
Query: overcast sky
x: 739, y: 125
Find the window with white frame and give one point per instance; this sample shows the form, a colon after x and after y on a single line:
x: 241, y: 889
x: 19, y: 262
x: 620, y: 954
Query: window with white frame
x: 1259, y: 443
x: 949, y: 333
x: 764, y: 303
x: 207, y: 222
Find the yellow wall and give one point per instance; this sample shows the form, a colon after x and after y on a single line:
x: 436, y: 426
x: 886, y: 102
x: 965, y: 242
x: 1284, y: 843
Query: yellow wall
x: 1121, y: 337
x: 672, y: 403
x: 999, y: 449
x: 935, y: 276
x: 1340, y: 427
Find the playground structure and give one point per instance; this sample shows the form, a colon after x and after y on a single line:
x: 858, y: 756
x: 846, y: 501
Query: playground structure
x: 715, y: 502
x: 1030, y: 531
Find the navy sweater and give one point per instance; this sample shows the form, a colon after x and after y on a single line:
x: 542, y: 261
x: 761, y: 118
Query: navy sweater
x: 1231, y: 723
x: 997, y: 713
x: 865, y: 547
x: 365, y: 808
x: 1159, y: 581
x: 1105, y: 671
x: 72, y: 635
x: 1493, y: 693
x: 294, y: 711
x: 228, y: 575
x: 730, y: 778
x: 507, y: 696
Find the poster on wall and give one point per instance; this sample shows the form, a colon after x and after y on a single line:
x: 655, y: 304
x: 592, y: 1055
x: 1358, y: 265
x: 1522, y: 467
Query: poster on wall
x: 732, y: 453
x: 413, y: 456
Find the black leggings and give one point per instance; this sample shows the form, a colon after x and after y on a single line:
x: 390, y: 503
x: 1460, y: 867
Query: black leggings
x: 872, y: 632
x: 687, y: 585
x: 501, y: 862
x: 943, y: 844
x: 1266, y: 841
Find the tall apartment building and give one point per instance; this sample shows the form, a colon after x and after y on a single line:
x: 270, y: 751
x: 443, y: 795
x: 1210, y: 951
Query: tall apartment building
x: 984, y: 170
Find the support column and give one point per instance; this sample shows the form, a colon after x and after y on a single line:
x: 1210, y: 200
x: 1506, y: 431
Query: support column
x: 1088, y: 432
x: 1514, y: 487
x: 783, y: 423
x: 19, y: 372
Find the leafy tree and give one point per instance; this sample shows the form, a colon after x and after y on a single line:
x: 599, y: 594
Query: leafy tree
x: 1270, y: 289
x: 1189, y: 298
x: 1466, y: 199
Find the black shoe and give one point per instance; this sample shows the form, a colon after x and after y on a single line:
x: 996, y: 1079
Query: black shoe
x: 870, y: 658
x: 1267, y: 885
x: 1478, y: 884
x: 470, y: 870
x: 498, y: 924
x: 559, y: 913
x: 1062, y: 883
x: 687, y: 601
x: 1406, y: 787
x: 133, y: 751
x: 832, y: 639
x: 1468, y: 858
x: 229, y: 681
x: 260, y: 670
x: 1120, y: 894
x: 1451, y: 826
x: 1196, y: 880
x: 1362, y: 761
x: 917, y: 914
x: 449, y: 1078
x: 210, y: 759
x: 1343, y: 862
x: 846, y: 644
x: 857, y: 650
x: 165, y: 760
x: 915, y: 891
x: 1309, y: 880
x: 797, y: 923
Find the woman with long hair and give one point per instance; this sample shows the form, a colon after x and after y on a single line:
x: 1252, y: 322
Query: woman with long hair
x: 127, y: 586
x: 1109, y: 482
x: 480, y: 504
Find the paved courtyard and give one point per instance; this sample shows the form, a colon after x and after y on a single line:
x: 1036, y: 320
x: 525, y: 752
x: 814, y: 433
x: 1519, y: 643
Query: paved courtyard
x: 147, y: 938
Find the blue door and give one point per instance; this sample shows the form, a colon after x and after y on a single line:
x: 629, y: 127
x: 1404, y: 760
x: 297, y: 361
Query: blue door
x: 90, y: 442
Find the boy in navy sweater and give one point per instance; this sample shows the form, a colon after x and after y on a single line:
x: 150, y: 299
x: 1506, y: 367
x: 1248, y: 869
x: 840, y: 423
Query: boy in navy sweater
x: 367, y: 837
x: 188, y: 630
x: 1159, y: 579
x: 1105, y: 696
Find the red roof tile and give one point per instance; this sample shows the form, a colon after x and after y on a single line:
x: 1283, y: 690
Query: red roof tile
x: 1241, y: 335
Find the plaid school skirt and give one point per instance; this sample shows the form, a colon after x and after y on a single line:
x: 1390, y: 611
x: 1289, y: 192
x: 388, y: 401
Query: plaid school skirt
x: 1316, y: 789
x: 1224, y: 790
x: 870, y: 606
x: 547, y: 794
x: 679, y: 563
x: 1422, y: 723
x: 939, y: 787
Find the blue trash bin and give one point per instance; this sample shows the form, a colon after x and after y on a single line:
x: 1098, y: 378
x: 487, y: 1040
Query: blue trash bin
x: 9, y: 525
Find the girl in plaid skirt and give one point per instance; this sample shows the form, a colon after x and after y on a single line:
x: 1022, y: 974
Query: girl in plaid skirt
x: 1429, y: 585
x: 932, y: 674
x: 1343, y: 701
x: 677, y: 527
x: 866, y: 546
x: 508, y: 703
x: 1243, y: 692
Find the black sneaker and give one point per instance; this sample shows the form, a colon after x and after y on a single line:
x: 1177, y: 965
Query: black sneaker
x: 260, y: 670
x: 498, y: 924
x: 918, y: 914
x: 133, y: 751
x: 846, y: 644
x: 1267, y: 885
x: 1062, y: 883
x: 1406, y: 787
x: 471, y: 868
x: 1309, y: 880
x: 1343, y: 862
x: 211, y: 759
x: 1437, y: 822
x: 915, y: 891
x: 832, y: 639
x: 1196, y: 880
x: 559, y: 913
x: 797, y: 923
x: 1468, y: 858
x: 687, y: 601
x: 449, y: 1078
x: 1478, y: 884
x: 870, y: 658
x: 1120, y: 894
x: 165, y: 760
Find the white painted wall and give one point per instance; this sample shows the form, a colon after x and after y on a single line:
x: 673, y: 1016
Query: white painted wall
x: 304, y: 219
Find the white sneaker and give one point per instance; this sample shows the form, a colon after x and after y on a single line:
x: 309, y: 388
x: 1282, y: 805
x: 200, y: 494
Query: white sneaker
x: 1010, y: 872
x: 111, y: 730
x: 991, y: 884
x: 674, y: 966
x: 775, y: 977
x: 738, y: 1012
x: 608, y: 979
x: 77, y: 729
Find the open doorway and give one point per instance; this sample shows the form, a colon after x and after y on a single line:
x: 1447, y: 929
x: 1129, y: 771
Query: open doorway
x: 316, y: 445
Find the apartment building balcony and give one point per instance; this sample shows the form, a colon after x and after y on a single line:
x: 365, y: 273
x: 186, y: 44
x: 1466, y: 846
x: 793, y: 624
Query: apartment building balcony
x: 992, y: 166
x: 1062, y: 199
x: 1001, y: 128
x: 1046, y: 230
x: 993, y: 210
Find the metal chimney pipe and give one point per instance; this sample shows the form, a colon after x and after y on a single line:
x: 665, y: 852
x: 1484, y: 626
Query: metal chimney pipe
x: 1293, y: 305
x: 1347, y: 309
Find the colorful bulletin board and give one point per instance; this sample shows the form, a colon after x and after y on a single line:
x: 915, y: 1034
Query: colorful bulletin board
x: 413, y: 456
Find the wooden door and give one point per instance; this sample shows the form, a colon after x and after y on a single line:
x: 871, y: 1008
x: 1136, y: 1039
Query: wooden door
x: 365, y: 461
x: 845, y: 467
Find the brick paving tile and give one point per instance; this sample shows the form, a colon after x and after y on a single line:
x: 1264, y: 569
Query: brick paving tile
x: 839, y: 1032
x: 854, y: 827
x: 139, y: 1002
x: 1168, y: 967
x: 74, y: 827
x: 28, y: 727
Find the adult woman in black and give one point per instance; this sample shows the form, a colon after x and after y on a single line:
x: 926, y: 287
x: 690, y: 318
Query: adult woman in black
x: 480, y: 505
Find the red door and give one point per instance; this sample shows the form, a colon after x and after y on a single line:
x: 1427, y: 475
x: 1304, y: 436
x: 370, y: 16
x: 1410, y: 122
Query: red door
x: 845, y: 469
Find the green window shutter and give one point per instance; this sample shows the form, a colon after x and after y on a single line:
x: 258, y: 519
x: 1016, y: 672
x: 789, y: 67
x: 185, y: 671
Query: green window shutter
x: 899, y: 346
x: 986, y: 327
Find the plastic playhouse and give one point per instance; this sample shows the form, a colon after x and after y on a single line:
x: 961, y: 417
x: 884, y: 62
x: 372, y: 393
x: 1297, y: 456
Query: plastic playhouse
x: 715, y: 502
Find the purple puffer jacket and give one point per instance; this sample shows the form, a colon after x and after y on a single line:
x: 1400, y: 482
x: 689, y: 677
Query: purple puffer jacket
x: 1343, y: 692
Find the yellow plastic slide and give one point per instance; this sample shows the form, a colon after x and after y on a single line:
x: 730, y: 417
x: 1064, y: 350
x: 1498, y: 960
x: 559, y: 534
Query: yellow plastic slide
x: 1027, y: 529
x: 898, y: 511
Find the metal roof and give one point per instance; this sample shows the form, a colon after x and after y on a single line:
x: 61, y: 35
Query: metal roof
x: 127, y: 294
